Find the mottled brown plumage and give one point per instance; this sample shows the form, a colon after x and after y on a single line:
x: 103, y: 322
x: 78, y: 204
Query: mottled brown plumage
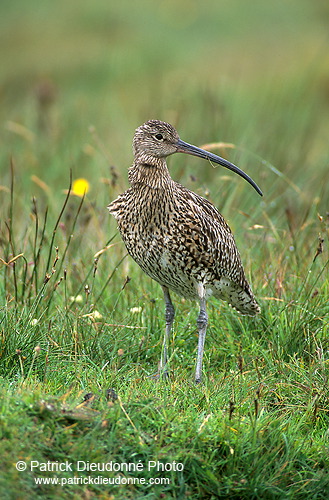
x: 177, y: 237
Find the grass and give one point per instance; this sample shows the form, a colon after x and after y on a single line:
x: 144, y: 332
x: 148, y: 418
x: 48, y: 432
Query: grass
x: 81, y: 326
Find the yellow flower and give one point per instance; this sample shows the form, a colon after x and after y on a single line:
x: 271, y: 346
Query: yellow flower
x: 80, y: 187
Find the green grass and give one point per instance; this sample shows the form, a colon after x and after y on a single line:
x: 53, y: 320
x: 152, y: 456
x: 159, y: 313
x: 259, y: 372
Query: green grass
x: 76, y: 80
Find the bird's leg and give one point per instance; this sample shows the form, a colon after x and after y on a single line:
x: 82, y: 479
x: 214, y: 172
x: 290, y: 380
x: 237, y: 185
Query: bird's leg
x: 202, y: 322
x: 170, y: 314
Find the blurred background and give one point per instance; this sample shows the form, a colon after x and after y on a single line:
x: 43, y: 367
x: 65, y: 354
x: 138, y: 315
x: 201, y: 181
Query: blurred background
x: 77, y: 78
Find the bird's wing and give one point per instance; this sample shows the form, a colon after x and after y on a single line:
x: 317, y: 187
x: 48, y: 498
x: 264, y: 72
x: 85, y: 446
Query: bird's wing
x: 213, y: 236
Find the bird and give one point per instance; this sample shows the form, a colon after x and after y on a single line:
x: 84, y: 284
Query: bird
x: 176, y: 236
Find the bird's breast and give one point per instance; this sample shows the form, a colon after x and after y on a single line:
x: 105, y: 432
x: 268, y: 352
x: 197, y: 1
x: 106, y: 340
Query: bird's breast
x: 180, y: 240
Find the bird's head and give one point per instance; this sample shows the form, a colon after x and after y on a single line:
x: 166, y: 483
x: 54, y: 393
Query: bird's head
x: 155, y: 139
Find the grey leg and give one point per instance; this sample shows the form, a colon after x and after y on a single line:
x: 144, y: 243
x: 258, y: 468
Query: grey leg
x: 202, y: 323
x: 170, y: 314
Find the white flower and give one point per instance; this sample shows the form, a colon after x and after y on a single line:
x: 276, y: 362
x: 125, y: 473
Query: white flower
x: 76, y: 298
x: 136, y: 310
x: 94, y: 315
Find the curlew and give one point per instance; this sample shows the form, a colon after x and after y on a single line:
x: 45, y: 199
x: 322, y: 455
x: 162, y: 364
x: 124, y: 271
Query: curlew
x: 177, y: 237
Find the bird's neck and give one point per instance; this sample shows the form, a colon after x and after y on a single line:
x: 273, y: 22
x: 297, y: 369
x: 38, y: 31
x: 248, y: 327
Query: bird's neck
x: 151, y: 172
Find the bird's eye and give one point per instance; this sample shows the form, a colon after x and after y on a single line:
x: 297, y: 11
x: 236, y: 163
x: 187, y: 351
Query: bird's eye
x: 159, y: 137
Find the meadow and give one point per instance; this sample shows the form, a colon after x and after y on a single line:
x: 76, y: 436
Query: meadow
x: 81, y: 326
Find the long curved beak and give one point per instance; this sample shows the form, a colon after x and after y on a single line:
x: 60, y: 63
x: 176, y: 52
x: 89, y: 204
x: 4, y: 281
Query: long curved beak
x: 185, y: 147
